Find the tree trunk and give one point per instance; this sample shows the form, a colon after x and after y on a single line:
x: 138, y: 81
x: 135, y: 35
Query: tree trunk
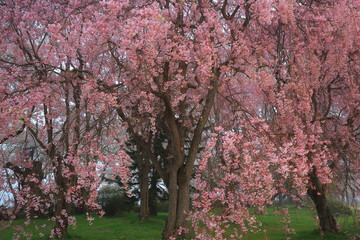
x: 281, y: 197
x: 183, y: 198
x: 61, y: 222
x: 327, y: 220
x: 152, y: 203
x: 144, y: 168
x: 317, y: 194
x: 172, y: 212
x: 179, y: 203
x: 62, y: 207
x: 144, y: 201
x: 153, y: 197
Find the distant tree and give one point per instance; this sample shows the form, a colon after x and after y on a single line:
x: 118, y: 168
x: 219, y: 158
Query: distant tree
x: 145, y: 176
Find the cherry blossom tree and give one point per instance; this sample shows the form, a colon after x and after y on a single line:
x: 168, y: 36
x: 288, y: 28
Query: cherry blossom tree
x: 43, y: 94
x: 167, y: 62
x: 302, y: 100
x: 316, y: 97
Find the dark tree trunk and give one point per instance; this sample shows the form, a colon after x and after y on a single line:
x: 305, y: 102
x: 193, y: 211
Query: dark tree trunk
x: 62, y: 207
x: 179, y: 203
x: 327, y: 220
x: 61, y: 222
x: 172, y: 212
x: 183, y: 198
x: 281, y: 197
x: 153, y: 197
x: 144, y: 201
x: 144, y: 168
x: 317, y: 194
x: 152, y: 203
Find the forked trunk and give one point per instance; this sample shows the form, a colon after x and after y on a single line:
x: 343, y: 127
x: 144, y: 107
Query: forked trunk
x: 179, y: 202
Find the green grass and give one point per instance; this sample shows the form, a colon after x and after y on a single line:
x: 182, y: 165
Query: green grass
x: 125, y: 227
x: 303, y: 223
x: 128, y: 227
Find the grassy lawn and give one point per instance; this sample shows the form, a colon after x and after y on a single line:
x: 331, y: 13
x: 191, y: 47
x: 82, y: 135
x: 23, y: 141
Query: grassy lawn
x: 303, y: 223
x: 128, y: 227
x: 125, y: 227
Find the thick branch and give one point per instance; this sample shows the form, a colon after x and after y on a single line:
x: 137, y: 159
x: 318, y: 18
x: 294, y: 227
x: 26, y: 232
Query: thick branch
x: 194, y: 147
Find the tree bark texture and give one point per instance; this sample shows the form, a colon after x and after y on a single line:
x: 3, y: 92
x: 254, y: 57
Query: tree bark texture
x: 144, y: 168
x: 318, y: 193
x: 153, y: 194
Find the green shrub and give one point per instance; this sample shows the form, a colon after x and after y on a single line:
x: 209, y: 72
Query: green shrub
x: 113, y: 200
x: 338, y: 208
